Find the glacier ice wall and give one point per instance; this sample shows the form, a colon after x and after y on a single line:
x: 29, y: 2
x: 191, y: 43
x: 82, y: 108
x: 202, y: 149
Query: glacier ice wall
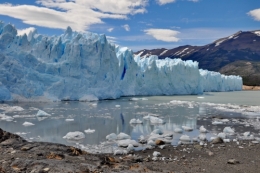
x: 85, y: 66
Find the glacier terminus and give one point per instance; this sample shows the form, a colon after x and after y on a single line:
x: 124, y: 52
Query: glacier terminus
x: 86, y: 67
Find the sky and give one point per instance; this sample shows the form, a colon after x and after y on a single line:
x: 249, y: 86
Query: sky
x: 137, y: 24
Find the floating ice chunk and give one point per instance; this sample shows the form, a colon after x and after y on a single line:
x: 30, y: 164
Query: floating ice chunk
x: 126, y: 142
x: 151, y: 142
x: 28, y: 124
x: 177, y: 130
x: 156, y: 154
x: 147, y: 117
x: 74, y: 136
x: 217, y: 122
x: 202, y: 137
x: 228, y: 130
x: 88, y: 131
x: 224, y: 120
x: 185, y: 138
x: 200, y: 97
x: 246, y: 134
x: 222, y: 135
x: 203, y: 129
x: 68, y: 120
x: 41, y: 113
x: 157, y: 131
x: 135, y: 121
x: 186, y: 128
x: 111, y: 137
x: 155, y: 120
x: 130, y: 147
x: 117, y: 106
x: 154, y: 137
x: 121, y: 136
x: 7, y: 118
x: 167, y: 135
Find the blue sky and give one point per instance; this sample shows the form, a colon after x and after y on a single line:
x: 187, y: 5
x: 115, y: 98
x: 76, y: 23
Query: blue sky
x: 137, y: 24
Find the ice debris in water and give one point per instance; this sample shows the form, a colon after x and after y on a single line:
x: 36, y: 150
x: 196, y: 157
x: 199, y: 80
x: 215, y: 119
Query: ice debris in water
x: 185, y: 138
x: 203, y: 129
x: 41, y: 113
x: 217, y: 122
x: 135, y: 121
x: 222, y: 135
x: 186, y: 128
x: 130, y: 147
x: 74, y: 135
x: 177, y: 130
x: 117, y: 106
x: 70, y: 119
x: 88, y: 131
x: 27, y: 124
x: 116, y: 73
x: 246, y: 134
x: 120, y: 152
x: 121, y: 136
x: 111, y: 137
x: 126, y: 142
x: 229, y: 131
x: 155, y: 120
x: 203, y: 137
x: 157, y: 131
x: 6, y: 117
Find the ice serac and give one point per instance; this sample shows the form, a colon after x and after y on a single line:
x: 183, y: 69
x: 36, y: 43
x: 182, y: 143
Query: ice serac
x: 85, y: 67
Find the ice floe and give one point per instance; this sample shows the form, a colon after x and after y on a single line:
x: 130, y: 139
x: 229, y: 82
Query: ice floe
x: 28, y: 124
x: 74, y: 135
x: 89, y: 131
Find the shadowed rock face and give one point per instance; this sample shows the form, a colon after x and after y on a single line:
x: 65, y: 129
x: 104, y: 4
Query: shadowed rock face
x: 221, y: 55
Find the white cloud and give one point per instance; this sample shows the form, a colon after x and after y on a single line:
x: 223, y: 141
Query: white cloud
x: 79, y: 14
x: 110, y: 29
x: 255, y: 14
x: 26, y: 31
x: 166, y: 35
x: 163, y: 2
x: 126, y: 27
x: 111, y: 39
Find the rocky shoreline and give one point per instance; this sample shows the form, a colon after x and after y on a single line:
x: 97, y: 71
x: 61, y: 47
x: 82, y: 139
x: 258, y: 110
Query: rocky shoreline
x: 18, y: 155
x: 245, y: 87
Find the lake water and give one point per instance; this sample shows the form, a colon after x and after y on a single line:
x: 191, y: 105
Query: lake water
x: 106, y: 117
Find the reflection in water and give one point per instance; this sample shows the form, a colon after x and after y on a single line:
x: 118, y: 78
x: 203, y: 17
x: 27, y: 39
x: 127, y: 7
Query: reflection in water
x: 105, y: 117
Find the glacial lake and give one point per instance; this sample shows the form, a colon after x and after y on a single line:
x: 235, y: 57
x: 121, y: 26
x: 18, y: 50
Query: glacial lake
x: 242, y: 109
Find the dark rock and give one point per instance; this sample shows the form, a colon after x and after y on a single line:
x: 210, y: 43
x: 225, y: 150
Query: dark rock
x: 159, y: 142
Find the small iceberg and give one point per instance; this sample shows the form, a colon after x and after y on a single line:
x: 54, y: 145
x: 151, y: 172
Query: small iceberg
x: 74, y: 136
x: 122, y: 136
x: 178, y: 130
x: 41, y: 113
x: 155, y: 120
x: 135, y: 121
x: 217, y: 122
x: 203, y: 129
x: 111, y: 137
x: 157, y: 131
x: 222, y: 135
x: 68, y: 120
x: 28, y: 124
x: 186, y: 128
x: 89, y: 131
x: 126, y: 142
x: 185, y: 138
x: 229, y: 131
x: 117, y: 106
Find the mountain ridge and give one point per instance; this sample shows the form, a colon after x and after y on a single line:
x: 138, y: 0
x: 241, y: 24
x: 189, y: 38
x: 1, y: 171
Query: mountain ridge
x: 241, y: 46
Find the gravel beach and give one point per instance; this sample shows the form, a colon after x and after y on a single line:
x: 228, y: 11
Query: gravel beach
x: 18, y: 155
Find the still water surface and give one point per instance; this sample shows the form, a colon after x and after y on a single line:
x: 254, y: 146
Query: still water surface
x: 107, y: 117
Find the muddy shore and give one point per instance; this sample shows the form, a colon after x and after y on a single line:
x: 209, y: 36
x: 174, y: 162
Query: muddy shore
x: 245, y: 87
x: 18, y: 155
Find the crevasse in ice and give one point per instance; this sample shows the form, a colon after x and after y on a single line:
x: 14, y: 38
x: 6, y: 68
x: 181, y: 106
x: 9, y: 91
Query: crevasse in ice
x: 83, y: 66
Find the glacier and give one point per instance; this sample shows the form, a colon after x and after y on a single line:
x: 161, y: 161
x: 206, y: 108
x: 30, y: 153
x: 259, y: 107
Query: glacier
x: 86, y: 66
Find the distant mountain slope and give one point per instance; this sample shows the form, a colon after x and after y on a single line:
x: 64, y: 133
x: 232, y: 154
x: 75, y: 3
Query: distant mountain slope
x: 241, y: 46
